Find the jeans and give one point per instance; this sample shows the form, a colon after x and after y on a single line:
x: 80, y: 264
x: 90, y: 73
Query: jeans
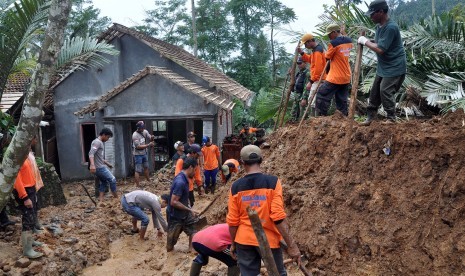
x: 249, y: 260
x: 135, y: 211
x: 210, y: 177
x: 382, y: 92
x: 105, y: 177
x: 141, y: 162
x: 325, y: 94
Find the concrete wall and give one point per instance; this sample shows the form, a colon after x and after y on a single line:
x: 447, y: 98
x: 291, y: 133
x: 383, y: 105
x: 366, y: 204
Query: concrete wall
x: 152, y: 97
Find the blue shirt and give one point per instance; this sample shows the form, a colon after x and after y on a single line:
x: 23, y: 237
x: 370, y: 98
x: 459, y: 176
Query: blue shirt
x: 393, y: 62
x: 180, y: 187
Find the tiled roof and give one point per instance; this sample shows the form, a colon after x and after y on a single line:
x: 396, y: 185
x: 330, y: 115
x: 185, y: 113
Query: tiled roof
x: 209, y: 96
x: 15, y: 88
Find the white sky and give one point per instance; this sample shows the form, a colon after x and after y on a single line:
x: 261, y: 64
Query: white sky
x: 131, y: 12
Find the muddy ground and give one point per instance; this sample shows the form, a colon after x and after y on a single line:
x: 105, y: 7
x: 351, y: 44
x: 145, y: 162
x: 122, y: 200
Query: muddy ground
x: 377, y: 200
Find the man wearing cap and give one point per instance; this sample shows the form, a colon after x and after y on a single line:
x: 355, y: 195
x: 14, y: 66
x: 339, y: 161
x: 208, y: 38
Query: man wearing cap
x: 229, y: 167
x: 190, y: 140
x: 392, y: 63
x: 194, y: 152
x: 134, y: 203
x: 301, y: 79
x: 179, y: 147
x: 338, y: 79
x: 317, y: 62
x: 141, y: 140
x: 264, y: 194
x: 181, y: 215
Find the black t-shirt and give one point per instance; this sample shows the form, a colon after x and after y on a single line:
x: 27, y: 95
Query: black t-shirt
x: 186, y: 147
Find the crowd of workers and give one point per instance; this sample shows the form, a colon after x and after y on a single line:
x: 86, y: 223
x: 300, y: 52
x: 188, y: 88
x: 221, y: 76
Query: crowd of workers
x: 234, y: 242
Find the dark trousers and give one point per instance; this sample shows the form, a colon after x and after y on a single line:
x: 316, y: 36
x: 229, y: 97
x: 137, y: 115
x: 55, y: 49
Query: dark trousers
x: 4, y: 217
x: 249, y: 260
x: 210, y: 178
x: 205, y: 252
x: 325, y: 94
x: 191, y: 198
x: 28, y: 215
x: 383, y: 92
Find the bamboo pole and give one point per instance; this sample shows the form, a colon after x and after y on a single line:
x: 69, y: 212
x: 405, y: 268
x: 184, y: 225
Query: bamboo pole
x: 265, y: 250
x: 355, y: 80
x: 312, y: 95
x: 291, y: 85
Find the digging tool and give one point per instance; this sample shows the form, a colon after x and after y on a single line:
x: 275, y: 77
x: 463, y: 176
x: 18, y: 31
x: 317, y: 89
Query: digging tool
x: 312, y: 95
x: 281, y: 104
x: 291, y: 85
x: 358, y: 62
x: 88, y: 194
x: 265, y: 250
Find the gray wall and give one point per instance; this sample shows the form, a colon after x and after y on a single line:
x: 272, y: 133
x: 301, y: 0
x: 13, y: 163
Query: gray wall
x: 151, y: 97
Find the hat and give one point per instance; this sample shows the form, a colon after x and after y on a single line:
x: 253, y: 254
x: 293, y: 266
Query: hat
x: 331, y: 28
x: 376, y: 6
x: 178, y: 144
x: 306, y: 37
x: 195, y: 148
x: 251, y: 153
x: 165, y: 197
x: 225, y: 169
x: 191, y: 133
x: 205, y: 139
x: 140, y: 124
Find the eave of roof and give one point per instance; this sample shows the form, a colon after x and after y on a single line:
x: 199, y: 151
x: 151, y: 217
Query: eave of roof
x: 209, y: 96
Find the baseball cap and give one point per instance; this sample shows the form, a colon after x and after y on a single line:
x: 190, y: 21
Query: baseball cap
x: 376, y: 6
x: 251, y: 153
x: 140, y: 124
x: 191, y: 133
x: 331, y: 28
x: 195, y: 148
x: 178, y: 144
x: 225, y: 169
x: 306, y: 37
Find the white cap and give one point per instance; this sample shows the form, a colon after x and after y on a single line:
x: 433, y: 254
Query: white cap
x: 177, y: 144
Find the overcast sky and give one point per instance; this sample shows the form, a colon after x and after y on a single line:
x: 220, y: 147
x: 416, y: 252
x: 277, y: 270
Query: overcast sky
x: 131, y: 12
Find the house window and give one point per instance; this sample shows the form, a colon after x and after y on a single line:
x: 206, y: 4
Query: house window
x: 88, y: 134
x: 92, y: 114
x: 159, y: 125
x: 221, y: 119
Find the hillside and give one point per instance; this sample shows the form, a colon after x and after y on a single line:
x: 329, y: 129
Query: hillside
x: 367, y: 213
x: 409, y: 12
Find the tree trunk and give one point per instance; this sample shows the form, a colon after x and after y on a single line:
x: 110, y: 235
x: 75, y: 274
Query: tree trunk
x: 194, y: 27
x: 273, y: 54
x: 31, y: 114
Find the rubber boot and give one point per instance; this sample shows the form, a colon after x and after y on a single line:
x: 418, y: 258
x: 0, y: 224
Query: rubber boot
x: 37, y: 226
x: 142, y: 231
x: 195, y: 269
x: 26, y: 240
x: 37, y: 243
x: 371, y: 116
x: 234, y: 271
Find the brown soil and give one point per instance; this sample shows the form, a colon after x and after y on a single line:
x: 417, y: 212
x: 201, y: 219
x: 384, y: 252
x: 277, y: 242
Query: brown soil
x: 353, y: 209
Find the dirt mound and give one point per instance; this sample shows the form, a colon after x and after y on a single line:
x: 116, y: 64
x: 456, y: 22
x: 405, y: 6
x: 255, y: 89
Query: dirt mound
x: 388, y: 201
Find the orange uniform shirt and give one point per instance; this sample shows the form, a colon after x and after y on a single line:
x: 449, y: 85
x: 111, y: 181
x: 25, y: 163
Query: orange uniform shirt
x: 26, y: 178
x: 317, y: 62
x: 339, y: 53
x: 211, y: 155
x: 197, y: 177
x: 264, y: 194
x: 231, y: 170
x: 251, y: 130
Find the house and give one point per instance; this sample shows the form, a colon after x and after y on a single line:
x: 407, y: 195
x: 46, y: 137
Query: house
x: 151, y: 80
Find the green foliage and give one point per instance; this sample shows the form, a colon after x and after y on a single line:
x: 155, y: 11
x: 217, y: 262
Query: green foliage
x: 18, y: 25
x: 85, y: 20
x: 7, y: 129
x: 410, y: 12
x: 169, y: 21
x: 84, y: 52
x: 215, y: 39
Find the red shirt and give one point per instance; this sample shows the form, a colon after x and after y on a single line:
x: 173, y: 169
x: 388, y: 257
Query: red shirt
x: 215, y: 237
